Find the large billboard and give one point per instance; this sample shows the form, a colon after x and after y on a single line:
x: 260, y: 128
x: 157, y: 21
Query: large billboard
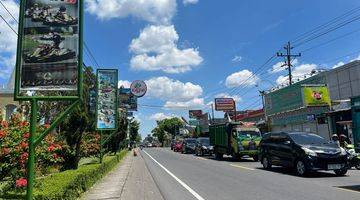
x: 195, y: 114
x: 48, y: 48
x: 106, y: 103
x: 127, y: 100
x: 224, y: 104
x: 316, y: 96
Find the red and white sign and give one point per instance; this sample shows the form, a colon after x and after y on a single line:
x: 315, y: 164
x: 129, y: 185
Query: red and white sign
x: 224, y: 104
x: 138, y: 88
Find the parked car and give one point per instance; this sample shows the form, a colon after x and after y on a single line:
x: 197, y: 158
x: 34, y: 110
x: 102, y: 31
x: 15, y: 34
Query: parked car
x: 305, y: 152
x: 178, y: 146
x: 188, y: 145
x: 172, y: 145
x: 203, y: 146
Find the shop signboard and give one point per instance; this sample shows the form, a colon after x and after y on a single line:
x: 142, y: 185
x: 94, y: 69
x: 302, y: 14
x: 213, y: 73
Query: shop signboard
x: 224, y: 104
x: 127, y: 100
x: 316, y: 96
x: 138, y: 88
x: 106, y: 101
x: 195, y: 114
x: 49, y: 47
x: 194, y: 122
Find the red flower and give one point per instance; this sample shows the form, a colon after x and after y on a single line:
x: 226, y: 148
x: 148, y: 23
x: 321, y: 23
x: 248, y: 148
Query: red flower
x: 22, y: 182
x: 23, y: 123
x: 51, y: 148
x: 24, y: 156
x: 24, y: 145
x: 2, y: 134
x: 4, y: 124
x: 6, y: 151
x: 26, y: 135
x: 55, y: 156
x: 46, y: 125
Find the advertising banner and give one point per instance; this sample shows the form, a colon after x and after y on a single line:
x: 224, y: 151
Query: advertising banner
x: 224, y: 104
x: 127, y: 100
x: 106, y: 114
x: 316, y: 96
x: 49, y: 47
x: 195, y: 114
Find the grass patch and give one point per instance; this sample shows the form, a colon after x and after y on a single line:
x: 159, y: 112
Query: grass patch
x: 71, y: 184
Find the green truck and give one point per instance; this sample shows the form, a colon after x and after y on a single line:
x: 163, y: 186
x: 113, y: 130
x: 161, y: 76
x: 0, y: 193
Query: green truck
x: 236, y: 139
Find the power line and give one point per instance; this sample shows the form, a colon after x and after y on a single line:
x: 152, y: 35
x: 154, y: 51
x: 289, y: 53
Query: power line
x: 91, y: 55
x: 332, y: 21
x: 8, y: 11
x: 8, y: 24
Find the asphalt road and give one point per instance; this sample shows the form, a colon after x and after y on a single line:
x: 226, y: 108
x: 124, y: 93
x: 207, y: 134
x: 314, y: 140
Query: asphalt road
x: 183, y: 177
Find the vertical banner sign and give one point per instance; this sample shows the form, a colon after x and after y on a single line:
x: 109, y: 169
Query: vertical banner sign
x: 49, y: 46
x: 127, y: 100
x: 106, y: 104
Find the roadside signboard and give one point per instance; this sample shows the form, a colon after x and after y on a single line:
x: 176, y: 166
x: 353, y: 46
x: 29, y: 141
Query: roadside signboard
x: 127, y: 100
x: 195, y: 114
x: 224, y: 104
x: 193, y: 122
x: 204, y: 123
x: 49, y: 54
x: 138, y: 88
x: 316, y: 96
x: 106, y: 107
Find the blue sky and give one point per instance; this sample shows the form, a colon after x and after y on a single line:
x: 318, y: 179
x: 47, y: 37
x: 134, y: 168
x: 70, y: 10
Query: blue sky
x: 190, y: 51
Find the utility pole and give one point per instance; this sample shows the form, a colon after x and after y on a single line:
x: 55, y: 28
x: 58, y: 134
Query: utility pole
x: 288, y: 59
x: 212, y: 113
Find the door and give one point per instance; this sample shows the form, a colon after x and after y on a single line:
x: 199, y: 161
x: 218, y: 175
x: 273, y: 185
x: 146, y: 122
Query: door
x: 285, y: 150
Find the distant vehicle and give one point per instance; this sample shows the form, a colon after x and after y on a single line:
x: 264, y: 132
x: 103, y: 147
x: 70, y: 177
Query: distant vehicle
x: 303, y: 151
x: 172, y: 145
x: 236, y: 139
x: 178, y: 146
x: 188, y: 145
x: 149, y: 145
x: 203, y: 146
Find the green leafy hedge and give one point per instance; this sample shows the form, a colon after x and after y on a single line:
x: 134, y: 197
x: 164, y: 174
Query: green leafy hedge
x: 72, y: 183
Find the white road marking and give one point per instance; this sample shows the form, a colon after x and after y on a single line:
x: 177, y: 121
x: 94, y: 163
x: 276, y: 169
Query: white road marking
x: 195, y: 194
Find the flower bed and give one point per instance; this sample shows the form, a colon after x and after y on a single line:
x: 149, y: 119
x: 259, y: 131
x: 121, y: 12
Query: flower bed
x: 72, y: 183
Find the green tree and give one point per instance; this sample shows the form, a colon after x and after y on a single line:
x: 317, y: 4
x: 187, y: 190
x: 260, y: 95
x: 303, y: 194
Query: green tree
x: 164, y: 126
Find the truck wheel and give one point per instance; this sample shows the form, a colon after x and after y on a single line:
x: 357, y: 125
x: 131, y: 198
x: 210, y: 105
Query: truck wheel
x: 218, y: 156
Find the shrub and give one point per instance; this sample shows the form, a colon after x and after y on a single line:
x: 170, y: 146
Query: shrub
x: 71, y: 184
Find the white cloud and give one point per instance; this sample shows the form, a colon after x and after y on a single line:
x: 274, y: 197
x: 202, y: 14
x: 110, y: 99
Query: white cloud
x: 161, y: 116
x: 124, y: 83
x: 168, y: 89
x: 154, y: 11
x: 244, y: 78
x: 236, y: 59
x: 298, y: 73
x: 8, y: 39
x: 281, y: 66
x: 196, y: 103
x: 339, y: 64
x: 237, y: 98
x: 156, y: 50
x: 187, y: 2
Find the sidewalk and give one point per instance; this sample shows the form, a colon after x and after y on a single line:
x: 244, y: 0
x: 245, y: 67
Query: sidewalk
x: 130, y: 180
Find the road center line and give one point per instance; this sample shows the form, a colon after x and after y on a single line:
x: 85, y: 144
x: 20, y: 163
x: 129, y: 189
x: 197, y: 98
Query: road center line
x: 241, y: 167
x: 195, y: 194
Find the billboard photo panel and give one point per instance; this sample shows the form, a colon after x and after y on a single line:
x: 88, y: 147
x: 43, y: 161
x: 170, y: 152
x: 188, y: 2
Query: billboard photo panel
x: 106, y: 101
x: 49, y: 57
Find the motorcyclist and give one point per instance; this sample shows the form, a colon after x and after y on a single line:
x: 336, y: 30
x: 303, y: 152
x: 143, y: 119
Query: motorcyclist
x: 335, y: 139
x: 62, y: 15
x: 342, y: 140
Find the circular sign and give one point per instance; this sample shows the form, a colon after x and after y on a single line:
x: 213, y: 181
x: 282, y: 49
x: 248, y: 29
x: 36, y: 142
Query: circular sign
x: 138, y: 88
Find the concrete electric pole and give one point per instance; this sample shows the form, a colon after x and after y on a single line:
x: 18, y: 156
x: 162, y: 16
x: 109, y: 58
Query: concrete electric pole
x: 288, y: 59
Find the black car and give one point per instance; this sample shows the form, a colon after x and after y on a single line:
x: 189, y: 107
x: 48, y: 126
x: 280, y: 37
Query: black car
x: 303, y: 151
x: 188, y: 145
x: 203, y: 146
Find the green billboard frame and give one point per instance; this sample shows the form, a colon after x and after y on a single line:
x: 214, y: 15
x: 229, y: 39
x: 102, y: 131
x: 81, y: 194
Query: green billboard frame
x: 116, y: 99
x: 17, y: 96
x: 35, y: 139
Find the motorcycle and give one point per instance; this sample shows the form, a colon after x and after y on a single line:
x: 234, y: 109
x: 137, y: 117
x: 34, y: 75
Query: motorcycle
x: 53, y: 55
x: 353, y: 157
